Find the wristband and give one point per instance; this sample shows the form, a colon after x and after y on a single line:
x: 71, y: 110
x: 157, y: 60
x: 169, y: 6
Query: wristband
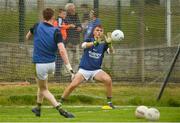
x: 96, y: 43
x: 68, y: 66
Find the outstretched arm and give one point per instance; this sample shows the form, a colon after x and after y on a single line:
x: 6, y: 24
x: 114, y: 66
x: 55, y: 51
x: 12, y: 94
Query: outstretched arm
x: 96, y: 42
x: 64, y: 55
x: 87, y: 45
x: 108, y: 40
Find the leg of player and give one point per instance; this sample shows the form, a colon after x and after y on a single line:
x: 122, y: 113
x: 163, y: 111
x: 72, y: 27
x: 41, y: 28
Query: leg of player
x: 37, y: 110
x: 46, y: 93
x: 43, y: 90
x: 75, y: 82
x: 106, y: 79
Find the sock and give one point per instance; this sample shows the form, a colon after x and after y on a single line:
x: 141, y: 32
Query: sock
x: 39, y: 105
x: 109, y: 100
x: 58, y: 107
x: 62, y: 100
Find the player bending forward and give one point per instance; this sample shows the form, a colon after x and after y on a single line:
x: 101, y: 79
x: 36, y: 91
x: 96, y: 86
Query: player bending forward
x: 47, y: 40
x: 90, y: 65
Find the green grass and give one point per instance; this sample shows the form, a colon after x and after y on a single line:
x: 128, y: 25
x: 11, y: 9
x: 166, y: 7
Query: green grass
x: 84, y: 114
x: 16, y: 102
x: 94, y: 94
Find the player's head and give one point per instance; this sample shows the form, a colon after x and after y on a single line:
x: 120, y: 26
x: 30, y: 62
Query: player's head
x: 70, y: 8
x: 62, y: 13
x: 48, y: 14
x: 98, y: 31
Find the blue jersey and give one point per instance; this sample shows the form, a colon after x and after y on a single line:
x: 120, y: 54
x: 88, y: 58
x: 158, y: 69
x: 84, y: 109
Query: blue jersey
x: 90, y: 28
x: 93, y: 57
x: 46, y: 38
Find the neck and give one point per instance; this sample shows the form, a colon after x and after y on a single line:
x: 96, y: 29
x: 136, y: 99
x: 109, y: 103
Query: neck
x: 49, y: 22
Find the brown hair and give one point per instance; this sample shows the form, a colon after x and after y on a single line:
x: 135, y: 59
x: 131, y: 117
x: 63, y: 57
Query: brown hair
x: 100, y: 26
x: 48, y: 13
x: 61, y: 10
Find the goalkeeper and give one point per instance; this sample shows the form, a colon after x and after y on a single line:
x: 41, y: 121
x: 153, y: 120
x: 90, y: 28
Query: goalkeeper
x: 90, y: 65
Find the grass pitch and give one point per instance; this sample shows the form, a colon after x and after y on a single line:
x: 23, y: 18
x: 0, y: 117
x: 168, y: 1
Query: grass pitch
x: 16, y: 102
x: 84, y: 114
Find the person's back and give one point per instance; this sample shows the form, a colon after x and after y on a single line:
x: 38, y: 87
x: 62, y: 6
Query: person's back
x: 45, y: 47
x: 47, y: 39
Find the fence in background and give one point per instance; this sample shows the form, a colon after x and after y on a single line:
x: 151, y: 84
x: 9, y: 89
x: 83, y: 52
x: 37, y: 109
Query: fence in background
x: 123, y: 66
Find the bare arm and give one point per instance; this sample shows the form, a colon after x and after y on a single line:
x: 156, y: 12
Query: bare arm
x: 64, y: 55
x: 28, y: 35
x: 111, y: 50
x: 87, y: 45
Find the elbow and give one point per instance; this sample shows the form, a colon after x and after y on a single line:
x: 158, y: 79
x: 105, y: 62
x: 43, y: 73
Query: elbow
x: 84, y: 45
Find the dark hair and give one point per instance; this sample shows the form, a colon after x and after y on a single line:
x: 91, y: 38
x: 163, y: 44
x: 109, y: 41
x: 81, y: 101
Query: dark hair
x: 61, y: 10
x: 48, y: 13
x: 100, y: 26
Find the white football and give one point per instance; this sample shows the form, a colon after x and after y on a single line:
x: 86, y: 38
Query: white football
x: 152, y: 114
x: 117, y: 35
x: 141, y: 111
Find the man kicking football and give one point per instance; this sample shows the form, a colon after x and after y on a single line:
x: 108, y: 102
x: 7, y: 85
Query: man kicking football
x: 47, y: 40
x: 90, y: 65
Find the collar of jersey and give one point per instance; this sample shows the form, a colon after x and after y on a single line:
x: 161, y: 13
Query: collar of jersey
x: 47, y: 24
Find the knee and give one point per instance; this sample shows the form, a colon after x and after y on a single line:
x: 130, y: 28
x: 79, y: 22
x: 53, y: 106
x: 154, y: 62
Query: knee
x: 108, y: 80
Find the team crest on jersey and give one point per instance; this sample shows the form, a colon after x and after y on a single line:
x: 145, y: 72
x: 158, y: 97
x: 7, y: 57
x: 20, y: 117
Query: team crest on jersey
x: 94, y: 55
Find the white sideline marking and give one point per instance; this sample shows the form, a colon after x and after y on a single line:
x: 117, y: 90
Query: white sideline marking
x: 68, y: 106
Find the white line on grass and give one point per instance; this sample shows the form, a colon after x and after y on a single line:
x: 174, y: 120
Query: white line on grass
x: 68, y: 106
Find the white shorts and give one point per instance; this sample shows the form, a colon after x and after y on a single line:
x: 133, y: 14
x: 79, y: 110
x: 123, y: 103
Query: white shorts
x: 88, y: 74
x: 42, y: 70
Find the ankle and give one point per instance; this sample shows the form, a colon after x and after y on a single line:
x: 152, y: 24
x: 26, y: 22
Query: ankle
x: 109, y: 99
x: 39, y: 105
x: 62, y: 99
x: 58, y: 106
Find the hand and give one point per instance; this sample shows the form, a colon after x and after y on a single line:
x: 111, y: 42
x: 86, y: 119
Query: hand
x: 72, y: 74
x: 72, y: 25
x: 79, y: 29
x: 108, y: 38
